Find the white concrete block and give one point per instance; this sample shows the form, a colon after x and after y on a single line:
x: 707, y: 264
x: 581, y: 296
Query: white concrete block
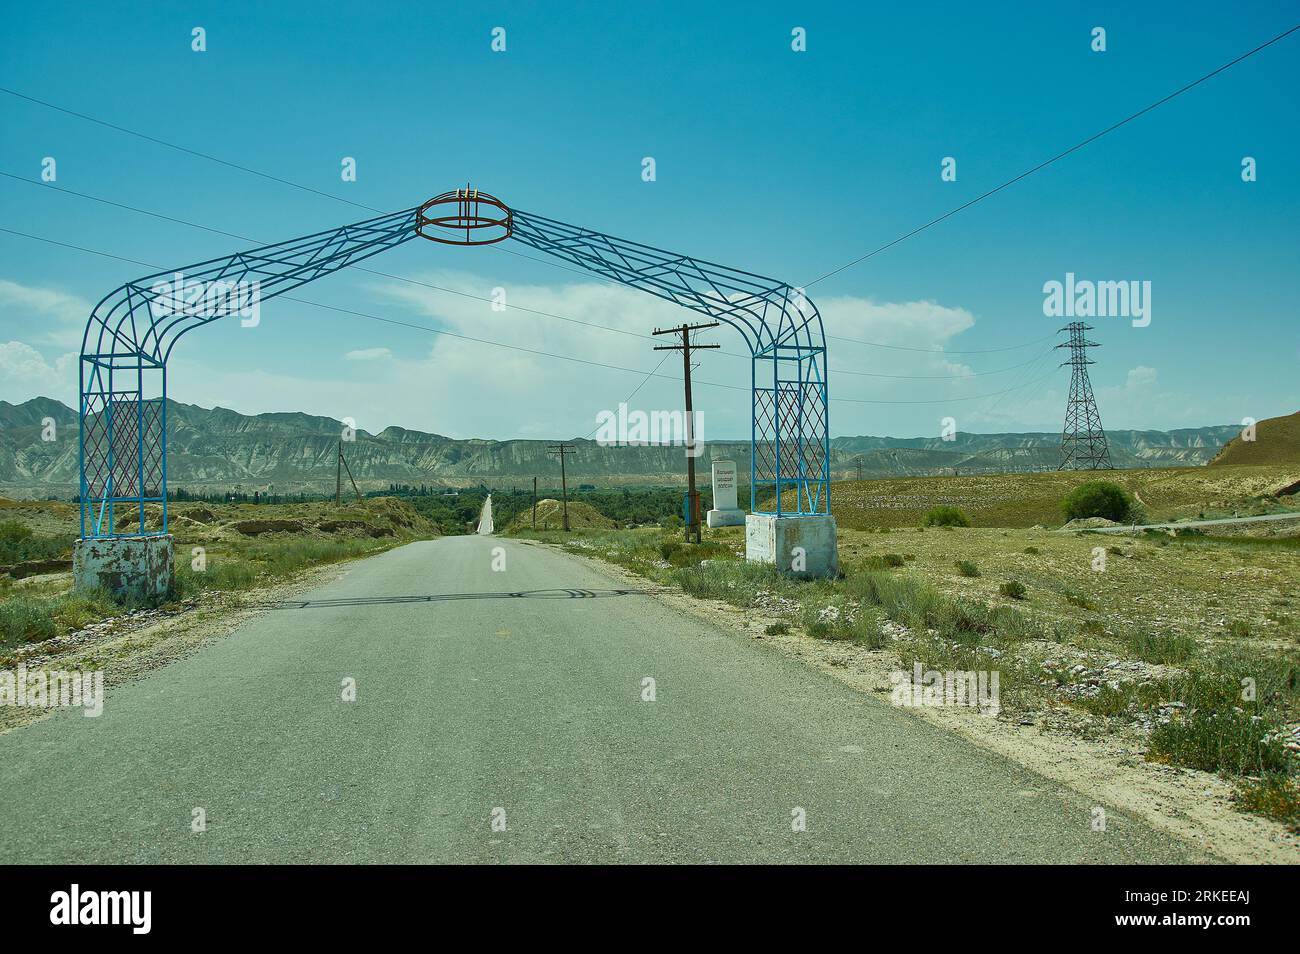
x: 137, y: 566
x: 725, y: 518
x: 802, y: 546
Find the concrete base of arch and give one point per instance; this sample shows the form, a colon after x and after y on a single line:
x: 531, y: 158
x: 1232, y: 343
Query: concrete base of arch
x: 134, y: 567
x: 799, y: 545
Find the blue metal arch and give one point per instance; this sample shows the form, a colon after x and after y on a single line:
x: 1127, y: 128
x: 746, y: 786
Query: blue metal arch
x: 790, y: 428
x: 132, y: 331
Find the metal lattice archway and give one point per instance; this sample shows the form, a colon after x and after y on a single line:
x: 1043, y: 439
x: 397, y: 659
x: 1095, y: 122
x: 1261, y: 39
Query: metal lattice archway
x: 132, y: 331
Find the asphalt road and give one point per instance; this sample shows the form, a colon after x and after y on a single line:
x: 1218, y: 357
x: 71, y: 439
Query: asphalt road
x: 516, y: 694
x: 1184, y: 524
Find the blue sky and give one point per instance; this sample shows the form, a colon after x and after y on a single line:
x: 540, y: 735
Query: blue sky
x: 783, y: 163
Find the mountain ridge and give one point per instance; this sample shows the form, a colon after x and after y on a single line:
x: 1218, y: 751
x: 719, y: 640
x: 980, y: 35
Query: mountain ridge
x: 293, y: 450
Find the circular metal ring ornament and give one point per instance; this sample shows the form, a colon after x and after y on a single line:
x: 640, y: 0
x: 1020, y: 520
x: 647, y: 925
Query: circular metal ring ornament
x: 464, y: 217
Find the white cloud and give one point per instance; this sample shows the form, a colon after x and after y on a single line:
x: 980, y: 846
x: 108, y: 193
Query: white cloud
x: 25, y: 373
x: 465, y: 388
x: 1140, y: 377
x: 369, y: 354
x: 913, y: 324
x: 43, y: 315
x: 498, y: 391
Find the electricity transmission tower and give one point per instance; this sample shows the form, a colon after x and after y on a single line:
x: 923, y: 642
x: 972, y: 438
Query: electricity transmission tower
x: 1083, y: 442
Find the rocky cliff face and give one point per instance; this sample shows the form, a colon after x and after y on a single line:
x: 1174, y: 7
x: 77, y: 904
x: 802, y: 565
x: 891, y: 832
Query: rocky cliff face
x: 219, y: 448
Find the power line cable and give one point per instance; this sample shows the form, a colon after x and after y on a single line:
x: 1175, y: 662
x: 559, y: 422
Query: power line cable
x: 628, y: 399
x: 1060, y: 155
x: 887, y: 347
x: 359, y: 268
x: 1123, y: 122
x: 184, y: 149
x: 452, y: 291
x: 1042, y: 165
x: 498, y: 344
x: 988, y: 409
x: 348, y: 311
x: 296, y: 185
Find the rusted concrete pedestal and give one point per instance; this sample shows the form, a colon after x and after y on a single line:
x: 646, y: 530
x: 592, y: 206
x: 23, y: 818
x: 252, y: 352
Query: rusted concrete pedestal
x: 802, y: 546
x: 133, y: 567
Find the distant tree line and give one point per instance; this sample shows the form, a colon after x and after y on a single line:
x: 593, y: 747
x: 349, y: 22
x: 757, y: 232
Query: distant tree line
x: 181, y: 495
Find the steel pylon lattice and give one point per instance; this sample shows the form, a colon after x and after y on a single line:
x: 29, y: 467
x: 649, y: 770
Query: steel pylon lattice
x: 1083, y: 442
x: 132, y: 331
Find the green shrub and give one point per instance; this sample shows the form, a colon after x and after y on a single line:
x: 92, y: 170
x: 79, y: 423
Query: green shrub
x: 24, y: 619
x: 967, y: 568
x: 920, y: 607
x: 243, y: 568
x: 1232, y: 741
x: 1275, y: 796
x: 1033, y: 551
x: 1078, y: 599
x: 1166, y: 648
x: 1109, y: 700
x: 945, y: 516
x: 18, y: 543
x: 777, y: 629
x: 1239, y: 628
x: 1097, y: 498
x: 736, y: 581
x: 11, y: 531
x: 1013, y: 589
x: 884, y: 561
x: 29, y: 618
x: 838, y: 619
x: 681, y: 554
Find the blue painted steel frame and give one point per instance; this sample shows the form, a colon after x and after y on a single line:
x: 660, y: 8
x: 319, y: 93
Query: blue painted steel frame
x: 789, y: 433
x: 134, y: 328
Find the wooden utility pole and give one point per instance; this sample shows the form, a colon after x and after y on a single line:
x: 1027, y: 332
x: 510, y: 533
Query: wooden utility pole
x: 563, y: 449
x: 339, y: 466
x: 692, y: 495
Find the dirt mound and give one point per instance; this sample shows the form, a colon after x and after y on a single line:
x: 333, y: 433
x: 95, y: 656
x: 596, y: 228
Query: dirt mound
x: 399, y: 513
x: 1277, y: 441
x: 356, y: 526
x: 550, y: 516
x: 253, y: 528
x: 28, y: 568
x: 127, y: 520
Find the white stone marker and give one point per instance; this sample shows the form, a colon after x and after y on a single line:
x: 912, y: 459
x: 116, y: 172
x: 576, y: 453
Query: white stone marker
x: 725, y: 512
